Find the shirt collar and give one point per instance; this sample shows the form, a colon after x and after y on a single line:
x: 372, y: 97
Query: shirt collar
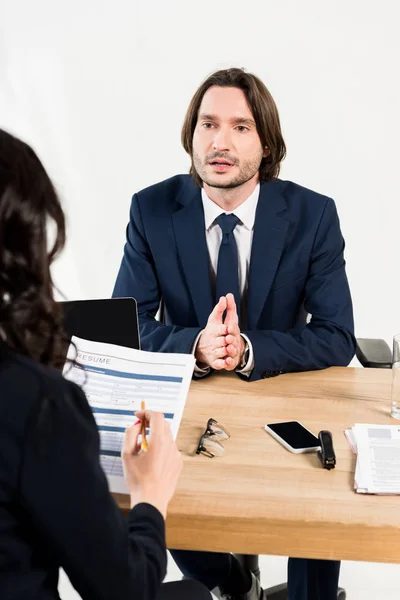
x: 246, y: 212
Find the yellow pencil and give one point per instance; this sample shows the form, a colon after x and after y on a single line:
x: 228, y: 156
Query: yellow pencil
x: 143, y: 446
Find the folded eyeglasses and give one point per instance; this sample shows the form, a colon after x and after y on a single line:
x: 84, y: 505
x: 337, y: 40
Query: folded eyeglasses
x: 210, y: 441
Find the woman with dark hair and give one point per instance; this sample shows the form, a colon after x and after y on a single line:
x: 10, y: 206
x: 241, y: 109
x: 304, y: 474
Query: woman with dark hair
x: 55, y: 506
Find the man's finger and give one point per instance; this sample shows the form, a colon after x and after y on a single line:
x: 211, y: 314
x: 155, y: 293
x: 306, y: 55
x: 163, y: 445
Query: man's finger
x: 220, y: 341
x: 221, y: 330
x: 232, y: 339
x: 231, y: 363
x: 220, y: 352
x: 231, y: 317
x: 218, y: 311
x: 233, y: 329
x: 218, y: 364
x: 232, y: 350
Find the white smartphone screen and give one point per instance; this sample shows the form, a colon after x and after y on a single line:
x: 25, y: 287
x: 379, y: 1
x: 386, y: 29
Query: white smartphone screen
x: 294, y: 434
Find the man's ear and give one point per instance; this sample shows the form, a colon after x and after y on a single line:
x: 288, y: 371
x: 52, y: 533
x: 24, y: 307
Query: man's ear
x: 266, y: 152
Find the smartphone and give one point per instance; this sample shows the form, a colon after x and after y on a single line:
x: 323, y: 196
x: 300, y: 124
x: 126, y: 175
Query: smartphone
x: 294, y: 436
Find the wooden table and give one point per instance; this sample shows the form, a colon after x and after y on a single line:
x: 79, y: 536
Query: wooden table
x: 261, y: 499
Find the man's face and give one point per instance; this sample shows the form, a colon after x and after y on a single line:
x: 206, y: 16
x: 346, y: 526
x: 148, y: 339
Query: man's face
x: 227, y: 149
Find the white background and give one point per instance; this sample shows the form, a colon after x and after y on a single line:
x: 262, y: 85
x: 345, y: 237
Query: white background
x: 100, y: 90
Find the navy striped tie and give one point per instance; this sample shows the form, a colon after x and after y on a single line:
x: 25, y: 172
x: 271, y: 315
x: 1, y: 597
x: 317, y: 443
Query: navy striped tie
x: 227, y: 280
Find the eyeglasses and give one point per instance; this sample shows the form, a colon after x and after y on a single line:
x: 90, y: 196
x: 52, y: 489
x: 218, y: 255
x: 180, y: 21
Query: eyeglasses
x: 208, y: 443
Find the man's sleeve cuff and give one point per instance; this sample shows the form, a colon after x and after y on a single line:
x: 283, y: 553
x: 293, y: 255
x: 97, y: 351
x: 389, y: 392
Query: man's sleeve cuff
x: 200, y: 369
x: 249, y: 366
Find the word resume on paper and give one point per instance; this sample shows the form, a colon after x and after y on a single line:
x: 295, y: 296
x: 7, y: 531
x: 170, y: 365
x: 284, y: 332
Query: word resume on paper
x: 116, y: 380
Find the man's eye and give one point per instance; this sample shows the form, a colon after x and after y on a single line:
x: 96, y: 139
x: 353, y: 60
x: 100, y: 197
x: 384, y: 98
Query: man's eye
x: 207, y: 125
x: 242, y: 128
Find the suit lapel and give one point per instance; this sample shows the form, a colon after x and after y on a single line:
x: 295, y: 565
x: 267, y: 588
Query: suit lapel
x: 268, y: 242
x: 189, y: 229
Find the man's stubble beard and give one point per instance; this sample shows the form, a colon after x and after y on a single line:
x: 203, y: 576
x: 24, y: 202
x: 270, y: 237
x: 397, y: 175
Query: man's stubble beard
x: 249, y: 170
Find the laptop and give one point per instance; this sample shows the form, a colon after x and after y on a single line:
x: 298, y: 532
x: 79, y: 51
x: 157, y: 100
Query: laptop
x: 113, y: 321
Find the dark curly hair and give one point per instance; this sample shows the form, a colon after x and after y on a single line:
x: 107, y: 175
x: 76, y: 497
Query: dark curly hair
x: 30, y: 319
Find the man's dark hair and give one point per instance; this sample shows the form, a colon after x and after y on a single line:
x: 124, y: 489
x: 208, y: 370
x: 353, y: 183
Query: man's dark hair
x: 264, y: 111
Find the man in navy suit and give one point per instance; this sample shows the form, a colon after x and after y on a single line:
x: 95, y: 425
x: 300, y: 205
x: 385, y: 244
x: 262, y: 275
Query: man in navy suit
x: 239, y: 259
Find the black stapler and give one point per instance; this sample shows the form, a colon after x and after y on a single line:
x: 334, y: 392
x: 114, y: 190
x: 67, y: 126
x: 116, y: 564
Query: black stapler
x: 327, y: 453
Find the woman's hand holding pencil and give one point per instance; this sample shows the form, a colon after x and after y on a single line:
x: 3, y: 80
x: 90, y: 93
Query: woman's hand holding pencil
x: 152, y: 467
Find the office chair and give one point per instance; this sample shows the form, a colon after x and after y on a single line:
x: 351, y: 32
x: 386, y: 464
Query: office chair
x: 373, y: 354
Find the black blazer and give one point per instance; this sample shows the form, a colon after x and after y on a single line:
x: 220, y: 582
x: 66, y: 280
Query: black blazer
x: 55, y: 506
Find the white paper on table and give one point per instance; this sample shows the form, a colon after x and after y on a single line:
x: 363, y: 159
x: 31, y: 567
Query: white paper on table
x: 378, y: 459
x: 359, y: 479
x: 115, y: 380
x: 349, y: 434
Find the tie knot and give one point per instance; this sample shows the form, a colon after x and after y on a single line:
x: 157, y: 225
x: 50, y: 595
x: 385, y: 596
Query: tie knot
x: 227, y: 222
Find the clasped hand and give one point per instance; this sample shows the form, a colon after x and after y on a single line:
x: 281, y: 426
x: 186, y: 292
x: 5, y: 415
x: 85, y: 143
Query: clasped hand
x: 221, y: 345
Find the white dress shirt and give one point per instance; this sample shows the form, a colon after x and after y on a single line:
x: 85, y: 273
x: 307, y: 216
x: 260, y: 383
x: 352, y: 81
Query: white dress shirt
x: 243, y: 233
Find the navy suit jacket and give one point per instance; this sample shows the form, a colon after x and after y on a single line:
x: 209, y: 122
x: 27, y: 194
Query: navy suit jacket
x: 296, y: 268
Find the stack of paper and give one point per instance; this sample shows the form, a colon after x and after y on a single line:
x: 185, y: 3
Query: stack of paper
x: 116, y: 380
x: 378, y: 458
